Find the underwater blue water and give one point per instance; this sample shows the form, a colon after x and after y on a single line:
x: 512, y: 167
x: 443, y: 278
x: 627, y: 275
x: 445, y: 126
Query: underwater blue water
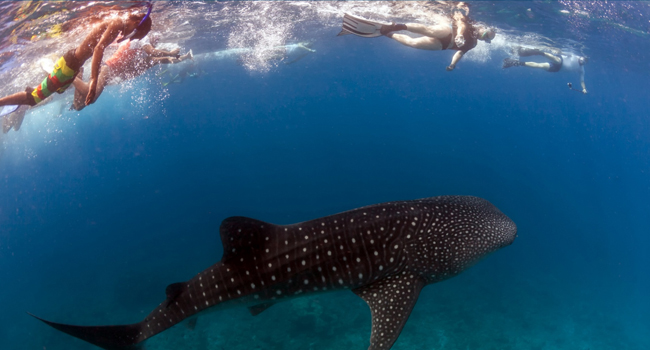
x: 96, y: 221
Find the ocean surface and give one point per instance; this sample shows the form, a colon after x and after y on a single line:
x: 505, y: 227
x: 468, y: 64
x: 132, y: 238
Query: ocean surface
x: 101, y: 209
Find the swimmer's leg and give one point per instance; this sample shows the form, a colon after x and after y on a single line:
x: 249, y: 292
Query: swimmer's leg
x: 553, y: 58
x: 544, y: 66
x: 437, y: 31
x: 510, y: 62
x: 19, y: 98
x: 526, y: 51
x: 432, y: 39
x: 189, y: 55
x: 422, y: 43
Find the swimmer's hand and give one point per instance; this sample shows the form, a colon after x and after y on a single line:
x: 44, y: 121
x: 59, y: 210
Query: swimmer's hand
x: 460, y: 40
x: 90, y: 98
x: 584, y: 91
x: 451, y: 67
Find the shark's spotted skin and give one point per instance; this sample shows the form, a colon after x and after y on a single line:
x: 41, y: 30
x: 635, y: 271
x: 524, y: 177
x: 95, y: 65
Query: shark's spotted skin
x: 384, y: 253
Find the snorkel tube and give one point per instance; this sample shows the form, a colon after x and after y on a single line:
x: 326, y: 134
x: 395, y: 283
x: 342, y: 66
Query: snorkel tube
x: 135, y: 30
x: 572, y: 88
x: 488, y: 34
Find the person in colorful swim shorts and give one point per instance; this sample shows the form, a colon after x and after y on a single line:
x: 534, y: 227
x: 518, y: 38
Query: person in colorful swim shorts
x: 134, y: 26
x: 130, y: 60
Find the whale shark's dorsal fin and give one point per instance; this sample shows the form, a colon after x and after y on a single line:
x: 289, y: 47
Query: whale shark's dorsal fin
x: 257, y: 309
x: 173, y: 291
x: 391, y: 301
x: 243, y: 235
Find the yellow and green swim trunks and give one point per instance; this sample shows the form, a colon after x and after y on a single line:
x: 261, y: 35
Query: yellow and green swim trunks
x: 65, y: 70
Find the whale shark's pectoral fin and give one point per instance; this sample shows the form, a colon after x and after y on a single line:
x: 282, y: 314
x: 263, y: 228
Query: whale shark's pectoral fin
x: 257, y: 309
x: 391, y: 300
x: 124, y: 337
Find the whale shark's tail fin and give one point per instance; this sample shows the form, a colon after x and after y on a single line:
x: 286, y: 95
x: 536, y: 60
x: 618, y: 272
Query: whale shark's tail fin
x: 124, y: 337
x: 361, y: 26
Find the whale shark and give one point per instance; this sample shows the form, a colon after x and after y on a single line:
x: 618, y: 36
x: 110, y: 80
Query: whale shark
x: 384, y: 253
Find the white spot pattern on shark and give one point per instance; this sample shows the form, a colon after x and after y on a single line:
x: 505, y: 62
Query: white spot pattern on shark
x: 384, y: 253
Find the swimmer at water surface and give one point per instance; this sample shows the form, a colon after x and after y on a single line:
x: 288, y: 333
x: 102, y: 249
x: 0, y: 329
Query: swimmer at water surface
x: 556, y: 63
x: 461, y: 34
x: 131, y: 60
x: 134, y: 27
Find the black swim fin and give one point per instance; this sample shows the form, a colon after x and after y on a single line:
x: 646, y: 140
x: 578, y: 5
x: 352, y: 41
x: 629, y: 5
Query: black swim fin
x: 509, y: 62
x: 525, y: 52
x: 393, y: 27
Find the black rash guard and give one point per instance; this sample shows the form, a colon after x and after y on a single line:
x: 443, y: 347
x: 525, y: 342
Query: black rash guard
x: 468, y: 34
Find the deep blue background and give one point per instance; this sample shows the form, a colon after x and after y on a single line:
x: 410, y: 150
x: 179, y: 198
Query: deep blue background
x: 127, y: 199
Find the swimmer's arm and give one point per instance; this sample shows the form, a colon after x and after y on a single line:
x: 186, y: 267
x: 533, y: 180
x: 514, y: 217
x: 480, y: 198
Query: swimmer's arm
x: 457, y: 56
x: 463, y: 6
x: 461, y: 28
x: 107, y: 38
x: 460, y: 22
x: 582, y: 80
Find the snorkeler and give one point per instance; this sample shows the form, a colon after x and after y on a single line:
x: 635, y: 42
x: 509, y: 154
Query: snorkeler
x: 559, y: 62
x: 135, y: 26
x: 190, y: 70
x: 131, y: 60
x: 460, y: 35
x: 300, y: 50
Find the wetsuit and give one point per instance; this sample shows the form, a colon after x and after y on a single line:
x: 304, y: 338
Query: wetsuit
x: 468, y: 34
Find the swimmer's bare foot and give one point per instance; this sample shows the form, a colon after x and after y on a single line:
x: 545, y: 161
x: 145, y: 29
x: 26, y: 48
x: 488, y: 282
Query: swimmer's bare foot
x: 189, y: 55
